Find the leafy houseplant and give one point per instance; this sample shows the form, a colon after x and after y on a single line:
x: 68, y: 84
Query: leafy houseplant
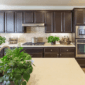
x: 52, y: 39
x: 2, y: 40
x: 14, y: 67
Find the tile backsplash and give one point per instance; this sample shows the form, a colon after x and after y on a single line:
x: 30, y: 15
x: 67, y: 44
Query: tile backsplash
x: 38, y: 32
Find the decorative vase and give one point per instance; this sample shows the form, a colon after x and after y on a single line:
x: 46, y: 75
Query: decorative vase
x: 53, y: 43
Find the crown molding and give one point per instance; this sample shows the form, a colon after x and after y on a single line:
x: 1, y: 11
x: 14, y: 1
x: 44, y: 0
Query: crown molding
x: 5, y: 7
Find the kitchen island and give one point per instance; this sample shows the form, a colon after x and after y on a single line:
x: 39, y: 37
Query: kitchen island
x: 56, y: 71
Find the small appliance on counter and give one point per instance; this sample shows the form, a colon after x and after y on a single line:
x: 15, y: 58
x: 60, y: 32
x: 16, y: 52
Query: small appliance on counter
x: 34, y: 40
x: 13, y: 40
x: 65, y: 41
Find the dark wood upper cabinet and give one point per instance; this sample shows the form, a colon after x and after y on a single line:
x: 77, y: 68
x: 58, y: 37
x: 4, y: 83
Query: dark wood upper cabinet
x: 79, y: 16
x: 39, y: 17
x: 9, y: 22
x: 28, y: 17
x: 67, y: 22
x: 18, y: 22
x: 2, y: 22
x: 58, y: 22
x: 62, y: 22
x: 49, y: 22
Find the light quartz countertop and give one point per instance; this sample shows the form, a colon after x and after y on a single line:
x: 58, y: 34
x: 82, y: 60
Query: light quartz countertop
x: 56, y: 71
x: 45, y: 45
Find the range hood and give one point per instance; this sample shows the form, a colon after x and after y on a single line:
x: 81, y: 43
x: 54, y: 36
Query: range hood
x: 34, y: 25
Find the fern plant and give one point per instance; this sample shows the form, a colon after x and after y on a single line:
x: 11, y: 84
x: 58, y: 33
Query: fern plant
x: 14, y: 67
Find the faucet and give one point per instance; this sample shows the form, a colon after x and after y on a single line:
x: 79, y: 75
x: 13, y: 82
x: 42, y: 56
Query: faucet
x: 4, y: 47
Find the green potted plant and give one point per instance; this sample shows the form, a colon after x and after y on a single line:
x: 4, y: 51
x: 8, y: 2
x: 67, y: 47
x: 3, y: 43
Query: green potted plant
x: 2, y: 40
x: 14, y: 67
x: 52, y: 39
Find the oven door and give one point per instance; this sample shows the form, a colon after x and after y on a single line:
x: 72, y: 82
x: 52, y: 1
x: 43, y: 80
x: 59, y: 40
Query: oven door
x: 80, y: 48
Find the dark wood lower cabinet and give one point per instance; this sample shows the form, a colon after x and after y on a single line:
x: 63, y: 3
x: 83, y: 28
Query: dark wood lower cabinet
x: 34, y: 52
x: 49, y: 52
x: 67, y: 55
x: 81, y: 62
x: 37, y: 55
x: 1, y: 53
x: 51, y: 55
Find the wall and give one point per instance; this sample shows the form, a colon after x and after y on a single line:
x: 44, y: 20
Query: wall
x: 38, y: 32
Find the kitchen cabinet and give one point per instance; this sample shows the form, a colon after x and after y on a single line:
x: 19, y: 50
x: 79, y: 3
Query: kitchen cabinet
x: 58, y: 22
x: 28, y: 17
x: 49, y: 22
x: 2, y: 22
x: 51, y: 52
x: 9, y: 22
x: 34, y: 52
x: 81, y: 62
x: 62, y: 22
x: 67, y: 52
x: 18, y: 22
x: 79, y: 16
x: 39, y: 17
x: 67, y: 22
x: 2, y: 53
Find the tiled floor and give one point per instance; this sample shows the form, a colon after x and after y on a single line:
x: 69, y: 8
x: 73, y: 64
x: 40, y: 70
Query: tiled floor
x: 83, y: 69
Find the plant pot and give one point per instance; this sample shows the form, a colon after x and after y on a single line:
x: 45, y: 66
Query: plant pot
x: 53, y: 43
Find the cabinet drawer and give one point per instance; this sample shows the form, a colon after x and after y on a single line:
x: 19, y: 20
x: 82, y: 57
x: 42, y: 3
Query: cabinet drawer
x: 51, y: 49
x: 67, y: 49
x: 36, y: 55
x: 67, y: 55
x: 51, y: 55
x: 81, y: 62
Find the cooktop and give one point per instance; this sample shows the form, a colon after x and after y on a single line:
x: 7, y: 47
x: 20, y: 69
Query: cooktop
x: 30, y: 43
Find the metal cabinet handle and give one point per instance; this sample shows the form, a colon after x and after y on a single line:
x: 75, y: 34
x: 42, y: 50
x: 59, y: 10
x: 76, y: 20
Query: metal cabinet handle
x: 60, y: 54
x: 51, y: 49
x: 57, y: 55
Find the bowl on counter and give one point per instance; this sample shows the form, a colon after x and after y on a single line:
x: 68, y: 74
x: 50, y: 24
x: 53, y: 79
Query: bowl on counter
x: 65, y: 43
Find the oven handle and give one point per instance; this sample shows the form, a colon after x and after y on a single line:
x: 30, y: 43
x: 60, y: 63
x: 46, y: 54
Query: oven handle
x: 80, y: 43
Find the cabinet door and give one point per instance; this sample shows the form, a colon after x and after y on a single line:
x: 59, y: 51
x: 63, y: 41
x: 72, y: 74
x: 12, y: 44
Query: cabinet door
x: 18, y: 22
x: 67, y: 52
x: 79, y: 16
x: 2, y: 21
x: 58, y: 22
x: 1, y: 53
x: 39, y: 17
x: 9, y: 22
x: 49, y: 22
x: 51, y: 55
x: 28, y: 17
x: 68, y: 22
x: 67, y: 55
x: 81, y: 62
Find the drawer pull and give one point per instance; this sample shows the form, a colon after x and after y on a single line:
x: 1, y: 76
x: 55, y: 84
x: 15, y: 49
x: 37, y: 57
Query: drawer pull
x: 67, y: 50
x: 51, y: 49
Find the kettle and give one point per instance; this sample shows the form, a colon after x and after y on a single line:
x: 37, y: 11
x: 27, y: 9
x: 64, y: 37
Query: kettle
x: 34, y: 40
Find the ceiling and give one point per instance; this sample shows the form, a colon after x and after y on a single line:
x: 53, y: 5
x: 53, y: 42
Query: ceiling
x: 43, y: 2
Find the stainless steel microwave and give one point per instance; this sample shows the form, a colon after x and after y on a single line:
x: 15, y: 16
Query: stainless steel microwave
x: 80, y: 31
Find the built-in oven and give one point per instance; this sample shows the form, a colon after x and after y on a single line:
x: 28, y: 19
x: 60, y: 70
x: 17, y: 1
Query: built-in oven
x: 80, y: 31
x: 80, y: 48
